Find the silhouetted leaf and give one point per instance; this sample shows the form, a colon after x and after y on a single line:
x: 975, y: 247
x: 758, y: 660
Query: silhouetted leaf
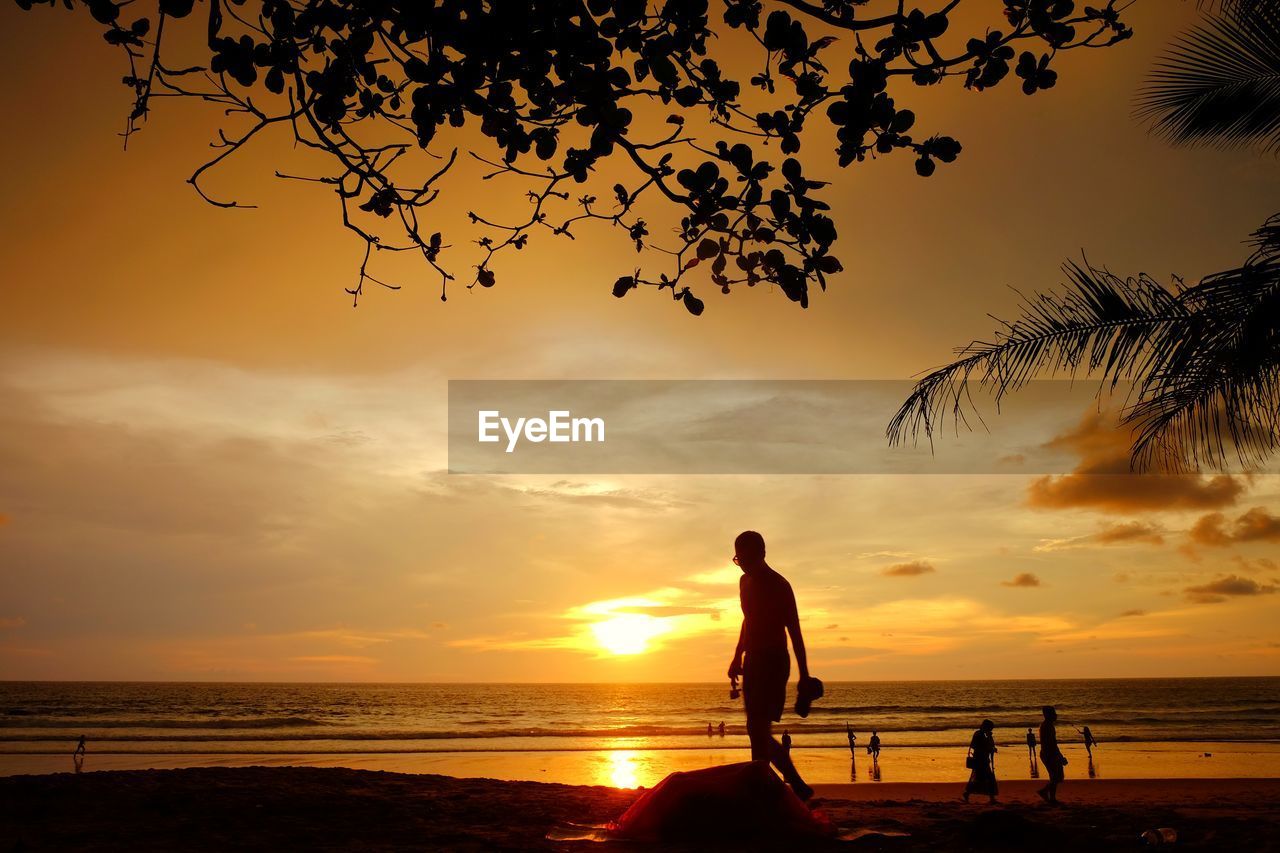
x: 693, y: 303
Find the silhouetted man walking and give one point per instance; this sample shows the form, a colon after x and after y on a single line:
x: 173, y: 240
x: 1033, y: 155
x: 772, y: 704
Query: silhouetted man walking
x: 768, y: 615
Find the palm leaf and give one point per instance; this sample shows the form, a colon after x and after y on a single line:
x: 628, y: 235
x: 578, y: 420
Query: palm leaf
x: 1267, y: 239
x: 1204, y: 361
x: 1099, y: 324
x: 1238, y: 8
x: 1218, y: 392
x: 1219, y: 83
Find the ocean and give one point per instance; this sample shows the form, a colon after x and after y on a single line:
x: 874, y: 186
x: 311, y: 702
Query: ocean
x: 632, y: 734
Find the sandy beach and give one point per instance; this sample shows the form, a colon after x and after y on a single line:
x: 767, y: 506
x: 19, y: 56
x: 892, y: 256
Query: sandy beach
x: 259, y: 808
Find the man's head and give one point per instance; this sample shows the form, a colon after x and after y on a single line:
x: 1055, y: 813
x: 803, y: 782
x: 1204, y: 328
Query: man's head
x: 748, y: 550
x: 1050, y: 713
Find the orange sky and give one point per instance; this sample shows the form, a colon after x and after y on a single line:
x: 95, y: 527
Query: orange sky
x: 211, y: 466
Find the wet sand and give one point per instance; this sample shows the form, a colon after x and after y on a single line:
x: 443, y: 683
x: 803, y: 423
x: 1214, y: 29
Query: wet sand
x: 276, y: 808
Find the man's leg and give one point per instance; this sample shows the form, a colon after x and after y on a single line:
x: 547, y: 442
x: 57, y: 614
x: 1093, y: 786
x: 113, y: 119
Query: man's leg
x: 760, y: 732
x: 765, y: 747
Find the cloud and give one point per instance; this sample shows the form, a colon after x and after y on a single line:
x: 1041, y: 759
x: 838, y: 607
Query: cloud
x: 1225, y: 587
x: 1133, y: 613
x: 604, y: 496
x: 9, y: 623
x: 1261, y: 564
x: 1130, y: 531
x: 663, y: 616
x: 339, y: 660
x: 1124, y: 533
x: 1024, y: 580
x: 908, y: 570
x: 1208, y: 531
x: 1103, y: 480
x: 1256, y: 525
x: 663, y: 610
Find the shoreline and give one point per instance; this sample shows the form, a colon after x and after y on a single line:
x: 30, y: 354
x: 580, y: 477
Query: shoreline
x: 261, y: 808
x: 731, y: 742
x: 623, y: 765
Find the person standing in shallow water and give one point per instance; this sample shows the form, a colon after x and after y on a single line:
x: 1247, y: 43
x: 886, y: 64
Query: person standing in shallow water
x: 761, y: 658
x: 982, y: 763
x: 1031, y: 752
x: 1051, y: 755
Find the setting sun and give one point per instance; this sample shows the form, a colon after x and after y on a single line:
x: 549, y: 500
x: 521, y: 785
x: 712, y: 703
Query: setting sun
x: 628, y: 633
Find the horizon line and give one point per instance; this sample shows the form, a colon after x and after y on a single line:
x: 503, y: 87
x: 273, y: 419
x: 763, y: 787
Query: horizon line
x: 5, y: 681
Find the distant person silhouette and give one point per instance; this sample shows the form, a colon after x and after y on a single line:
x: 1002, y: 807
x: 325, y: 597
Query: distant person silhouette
x: 722, y: 728
x: 1031, y: 753
x: 982, y: 763
x: 786, y: 741
x: 710, y: 731
x: 873, y: 748
x: 853, y: 740
x: 1089, y: 744
x: 77, y: 756
x: 1051, y: 755
x: 761, y: 658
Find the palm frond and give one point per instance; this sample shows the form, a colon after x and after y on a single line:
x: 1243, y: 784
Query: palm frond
x: 1203, y: 421
x: 1266, y: 240
x: 1219, y: 83
x: 1204, y: 361
x: 1238, y: 8
x: 1100, y: 324
x: 1218, y: 393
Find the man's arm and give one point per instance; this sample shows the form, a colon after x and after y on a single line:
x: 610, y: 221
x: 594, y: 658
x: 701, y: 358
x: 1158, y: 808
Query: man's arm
x: 735, y: 668
x: 797, y: 640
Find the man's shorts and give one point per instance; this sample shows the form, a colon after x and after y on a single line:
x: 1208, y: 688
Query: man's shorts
x: 764, y: 683
x: 1053, y: 763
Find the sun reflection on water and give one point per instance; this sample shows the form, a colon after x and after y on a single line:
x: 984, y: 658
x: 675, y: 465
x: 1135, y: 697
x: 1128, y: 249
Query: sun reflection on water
x: 622, y: 769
